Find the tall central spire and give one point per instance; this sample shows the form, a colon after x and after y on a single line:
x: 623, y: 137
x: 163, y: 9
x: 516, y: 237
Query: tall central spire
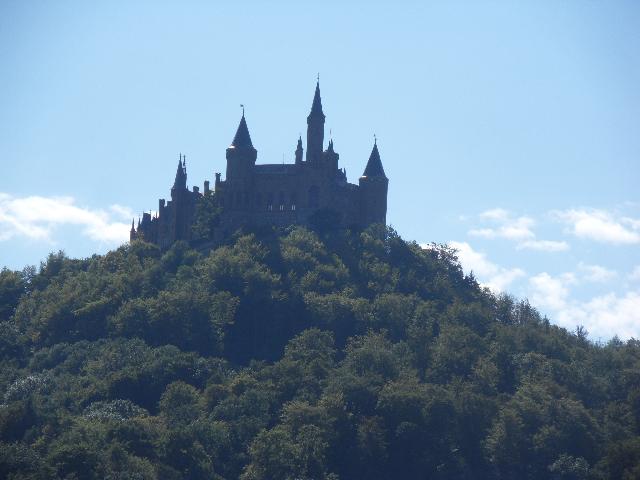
x: 315, y: 128
x: 316, y: 106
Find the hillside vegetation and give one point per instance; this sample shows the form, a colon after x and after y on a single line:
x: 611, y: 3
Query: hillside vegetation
x: 299, y: 355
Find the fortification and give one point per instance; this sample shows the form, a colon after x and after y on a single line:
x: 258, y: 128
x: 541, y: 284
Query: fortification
x: 254, y: 195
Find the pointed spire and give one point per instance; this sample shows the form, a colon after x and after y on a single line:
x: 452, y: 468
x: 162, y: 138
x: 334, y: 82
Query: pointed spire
x: 133, y: 223
x: 374, y: 165
x: 181, y: 175
x: 316, y: 106
x: 315, y: 129
x: 299, y: 150
x: 242, y: 138
x: 330, y: 147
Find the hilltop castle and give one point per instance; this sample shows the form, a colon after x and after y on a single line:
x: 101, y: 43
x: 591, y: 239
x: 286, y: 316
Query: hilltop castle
x: 273, y: 194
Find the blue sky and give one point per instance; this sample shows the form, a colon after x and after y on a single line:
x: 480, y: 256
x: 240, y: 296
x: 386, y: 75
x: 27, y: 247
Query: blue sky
x: 508, y: 129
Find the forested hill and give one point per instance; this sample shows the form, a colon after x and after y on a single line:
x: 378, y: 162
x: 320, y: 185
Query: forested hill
x: 298, y: 355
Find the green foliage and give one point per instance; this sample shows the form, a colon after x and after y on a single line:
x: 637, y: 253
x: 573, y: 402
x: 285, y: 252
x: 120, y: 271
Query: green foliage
x: 12, y: 287
x: 206, y: 217
x: 300, y: 354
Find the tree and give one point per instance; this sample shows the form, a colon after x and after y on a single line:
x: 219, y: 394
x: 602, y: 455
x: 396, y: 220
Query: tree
x: 206, y: 217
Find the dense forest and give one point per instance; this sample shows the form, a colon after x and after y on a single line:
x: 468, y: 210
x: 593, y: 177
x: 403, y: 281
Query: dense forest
x: 300, y: 354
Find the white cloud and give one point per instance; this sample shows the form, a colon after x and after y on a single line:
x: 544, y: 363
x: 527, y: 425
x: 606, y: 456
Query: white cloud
x: 510, y: 228
x: 517, y: 229
x: 124, y: 213
x: 605, y: 301
x: 632, y: 222
x: 549, y: 291
x: 495, y: 214
x: 36, y: 218
x: 544, y: 245
x: 596, y: 273
x: 603, y: 316
x: 600, y: 225
x: 489, y: 274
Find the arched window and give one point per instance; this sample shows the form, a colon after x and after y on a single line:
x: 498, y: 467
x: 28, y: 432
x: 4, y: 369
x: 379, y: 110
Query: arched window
x: 313, y: 197
x: 269, y: 201
x: 294, y: 200
x: 281, y: 201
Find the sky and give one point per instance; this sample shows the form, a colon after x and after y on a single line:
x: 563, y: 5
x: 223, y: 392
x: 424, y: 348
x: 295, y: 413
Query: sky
x: 509, y: 130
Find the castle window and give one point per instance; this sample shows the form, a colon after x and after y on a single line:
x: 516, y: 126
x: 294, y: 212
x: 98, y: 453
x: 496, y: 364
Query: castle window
x: 281, y: 208
x: 313, y: 197
x: 281, y: 201
x: 270, y: 201
x: 294, y: 200
x: 270, y: 208
x: 293, y: 207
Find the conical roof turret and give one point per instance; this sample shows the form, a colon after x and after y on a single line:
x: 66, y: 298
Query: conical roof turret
x: 242, y: 138
x: 374, y: 165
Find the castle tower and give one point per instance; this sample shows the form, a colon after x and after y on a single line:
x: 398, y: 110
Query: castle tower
x: 315, y: 129
x: 241, y: 159
x: 241, y: 156
x: 179, y: 201
x: 373, y: 190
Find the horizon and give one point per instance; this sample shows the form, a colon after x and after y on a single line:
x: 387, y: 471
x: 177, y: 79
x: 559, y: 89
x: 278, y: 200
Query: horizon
x: 508, y: 132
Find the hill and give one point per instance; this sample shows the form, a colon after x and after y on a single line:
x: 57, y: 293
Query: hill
x: 299, y: 355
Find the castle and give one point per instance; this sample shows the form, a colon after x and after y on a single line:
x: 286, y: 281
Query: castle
x: 273, y: 194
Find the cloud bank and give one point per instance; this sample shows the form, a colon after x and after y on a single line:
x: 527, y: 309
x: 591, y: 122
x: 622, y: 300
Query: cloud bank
x: 517, y: 229
x: 602, y: 315
x: 600, y: 225
x: 596, y: 286
x: 37, y: 218
x: 489, y: 274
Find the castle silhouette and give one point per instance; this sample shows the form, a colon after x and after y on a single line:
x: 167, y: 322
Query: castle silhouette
x: 254, y: 195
